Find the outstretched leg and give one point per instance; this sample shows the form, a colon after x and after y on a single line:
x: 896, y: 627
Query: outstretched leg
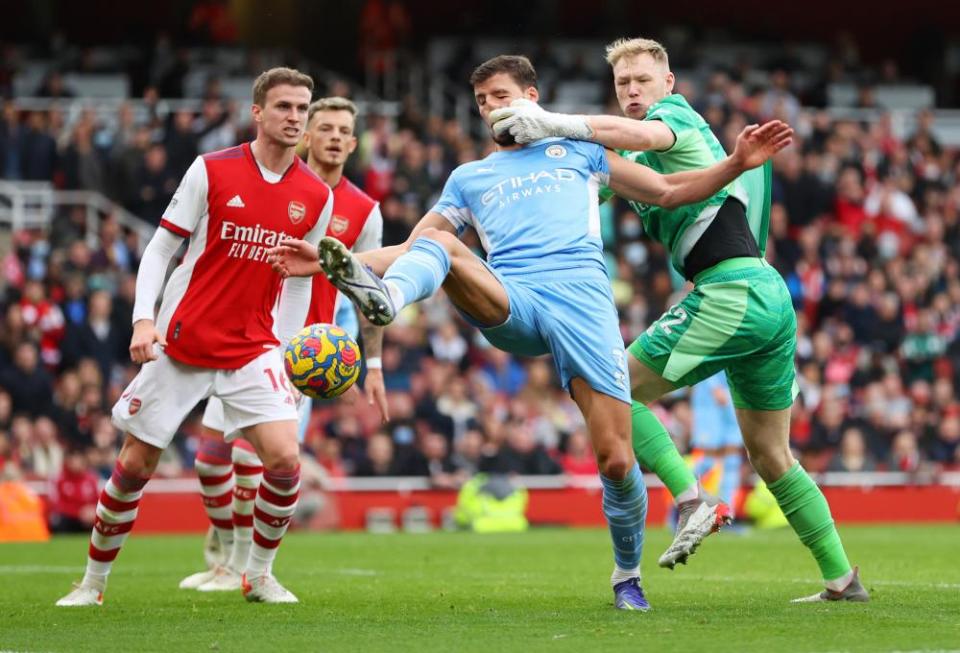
x: 436, y: 258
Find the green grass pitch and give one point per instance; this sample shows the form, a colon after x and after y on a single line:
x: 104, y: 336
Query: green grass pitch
x: 546, y: 590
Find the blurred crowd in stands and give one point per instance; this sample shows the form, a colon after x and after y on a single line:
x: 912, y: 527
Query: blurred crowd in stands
x: 865, y: 230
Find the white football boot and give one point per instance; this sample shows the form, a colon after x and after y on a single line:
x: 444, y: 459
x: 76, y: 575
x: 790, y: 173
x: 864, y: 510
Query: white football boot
x: 83, y: 594
x: 224, y: 579
x: 267, y: 589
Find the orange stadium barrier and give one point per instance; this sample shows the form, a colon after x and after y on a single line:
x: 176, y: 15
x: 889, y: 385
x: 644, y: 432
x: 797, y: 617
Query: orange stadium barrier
x: 173, y: 505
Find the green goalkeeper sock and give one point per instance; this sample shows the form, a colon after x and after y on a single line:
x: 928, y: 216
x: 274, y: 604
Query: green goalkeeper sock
x: 655, y: 450
x: 806, y: 509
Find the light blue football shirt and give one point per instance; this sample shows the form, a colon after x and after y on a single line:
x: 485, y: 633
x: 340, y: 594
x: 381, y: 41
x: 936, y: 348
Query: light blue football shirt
x: 535, y: 209
x: 713, y: 423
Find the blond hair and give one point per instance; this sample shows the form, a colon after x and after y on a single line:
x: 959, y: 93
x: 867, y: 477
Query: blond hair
x: 334, y: 103
x: 276, y: 77
x: 633, y: 47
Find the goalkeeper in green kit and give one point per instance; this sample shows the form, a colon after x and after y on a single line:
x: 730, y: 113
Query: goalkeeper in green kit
x: 739, y: 316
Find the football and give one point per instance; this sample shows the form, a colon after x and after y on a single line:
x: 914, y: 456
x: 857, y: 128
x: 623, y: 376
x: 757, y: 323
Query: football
x: 322, y: 361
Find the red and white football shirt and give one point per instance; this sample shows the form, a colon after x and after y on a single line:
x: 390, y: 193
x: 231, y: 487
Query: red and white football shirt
x: 217, y: 308
x: 358, y: 224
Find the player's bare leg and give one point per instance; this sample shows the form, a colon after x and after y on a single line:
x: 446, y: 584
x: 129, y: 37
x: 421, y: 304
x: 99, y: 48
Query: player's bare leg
x: 276, y: 445
x: 116, y: 513
x: 624, y: 494
x: 766, y: 436
x: 700, y: 514
x: 435, y: 258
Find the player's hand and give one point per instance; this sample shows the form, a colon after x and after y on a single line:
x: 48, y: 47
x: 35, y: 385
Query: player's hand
x: 141, y: 344
x: 294, y: 258
x: 756, y: 144
x: 527, y: 121
x: 377, y: 393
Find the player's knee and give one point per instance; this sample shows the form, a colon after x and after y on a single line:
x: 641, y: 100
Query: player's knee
x: 139, y: 459
x: 446, y: 239
x: 615, y: 462
x: 771, y: 462
x: 281, y: 461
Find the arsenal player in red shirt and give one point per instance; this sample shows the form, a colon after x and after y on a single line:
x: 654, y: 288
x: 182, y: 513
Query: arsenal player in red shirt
x: 356, y: 221
x: 215, y: 333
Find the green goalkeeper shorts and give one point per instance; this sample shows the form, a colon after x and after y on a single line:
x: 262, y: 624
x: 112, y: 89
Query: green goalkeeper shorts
x: 739, y: 317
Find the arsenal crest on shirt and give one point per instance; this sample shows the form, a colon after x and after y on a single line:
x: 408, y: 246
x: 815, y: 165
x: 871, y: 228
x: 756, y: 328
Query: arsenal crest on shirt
x: 296, y: 211
x: 339, y: 224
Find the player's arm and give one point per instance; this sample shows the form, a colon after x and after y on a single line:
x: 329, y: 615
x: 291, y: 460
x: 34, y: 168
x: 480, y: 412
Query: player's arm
x: 527, y: 122
x: 179, y: 220
x: 619, y: 133
x: 754, y: 146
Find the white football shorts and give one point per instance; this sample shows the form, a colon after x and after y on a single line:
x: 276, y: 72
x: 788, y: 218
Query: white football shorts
x: 213, y: 417
x: 165, y: 391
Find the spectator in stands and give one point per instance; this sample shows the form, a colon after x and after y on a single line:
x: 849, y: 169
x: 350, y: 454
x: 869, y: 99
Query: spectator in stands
x: 181, y: 142
x: 853, y: 455
x: 214, y: 129
x: 578, y: 457
x: 156, y: 183
x: 54, y: 86
x: 44, y: 319
x: 503, y: 372
x: 96, y: 338
x: 38, y: 160
x: 904, y: 453
x: 379, y: 459
x: 28, y: 384
x: 73, y: 495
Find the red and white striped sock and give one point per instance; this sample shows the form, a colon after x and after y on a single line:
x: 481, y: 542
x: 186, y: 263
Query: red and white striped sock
x: 247, y: 470
x: 116, y: 512
x: 215, y: 471
x: 276, y: 501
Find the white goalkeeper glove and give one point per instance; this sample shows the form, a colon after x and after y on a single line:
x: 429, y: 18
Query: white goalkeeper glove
x: 527, y: 121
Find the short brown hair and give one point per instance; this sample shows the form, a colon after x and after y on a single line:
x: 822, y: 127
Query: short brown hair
x: 633, y: 47
x: 334, y: 103
x: 275, y: 77
x: 517, y: 66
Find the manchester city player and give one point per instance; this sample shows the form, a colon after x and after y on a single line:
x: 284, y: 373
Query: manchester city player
x: 739, y: 316
x: 543, y: 288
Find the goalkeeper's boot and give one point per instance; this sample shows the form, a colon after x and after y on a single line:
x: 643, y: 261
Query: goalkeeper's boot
x: 628, y: 595
x: 266, y: 589
x: 698, y: 518
x: 356, y: 281
x: 83, y: 594
x: 854, y: 591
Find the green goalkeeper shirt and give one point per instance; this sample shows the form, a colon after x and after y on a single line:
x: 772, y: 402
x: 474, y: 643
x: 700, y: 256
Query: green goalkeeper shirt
x: 695, y: 147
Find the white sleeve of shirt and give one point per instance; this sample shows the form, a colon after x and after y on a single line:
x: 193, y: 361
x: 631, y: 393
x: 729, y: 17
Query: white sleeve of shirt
x: 296, y: 294
x: 189, y: 203
x: 320, y: 229
x: 153, y: 270
x: 371, y: 236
